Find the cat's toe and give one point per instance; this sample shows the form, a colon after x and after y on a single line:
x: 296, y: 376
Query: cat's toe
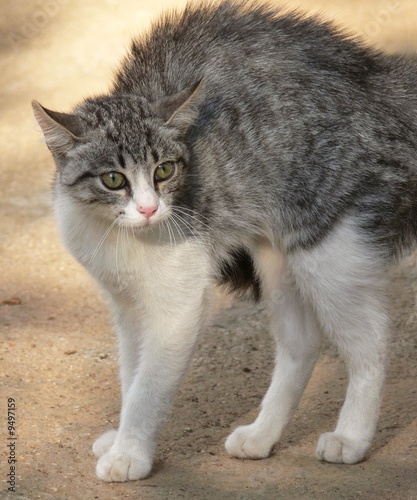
x: 247, y: 442
x: 103, y: 444
x: 335, y: 448
x: 116, y: 466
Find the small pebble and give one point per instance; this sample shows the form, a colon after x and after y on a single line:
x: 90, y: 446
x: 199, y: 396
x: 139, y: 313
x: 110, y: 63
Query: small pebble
x: 14, y: 301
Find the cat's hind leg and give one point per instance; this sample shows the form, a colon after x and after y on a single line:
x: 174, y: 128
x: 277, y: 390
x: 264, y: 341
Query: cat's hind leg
x: 343, y: 278
x: 298, y: 339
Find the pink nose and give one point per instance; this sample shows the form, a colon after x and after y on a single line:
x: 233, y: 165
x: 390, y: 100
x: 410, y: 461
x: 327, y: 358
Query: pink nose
x: 148, y: 211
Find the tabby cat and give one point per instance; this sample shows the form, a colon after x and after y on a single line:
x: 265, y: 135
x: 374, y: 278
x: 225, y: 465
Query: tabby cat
x: 247, y: 147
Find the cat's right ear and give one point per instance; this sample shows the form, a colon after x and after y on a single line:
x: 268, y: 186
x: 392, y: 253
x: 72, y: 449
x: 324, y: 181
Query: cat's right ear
x: 62, y: 131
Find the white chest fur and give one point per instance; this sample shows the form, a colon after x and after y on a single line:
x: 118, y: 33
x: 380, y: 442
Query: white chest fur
x: 145, y: 266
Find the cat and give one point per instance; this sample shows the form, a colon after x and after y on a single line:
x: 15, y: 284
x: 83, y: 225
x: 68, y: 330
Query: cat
x: 245, y: 147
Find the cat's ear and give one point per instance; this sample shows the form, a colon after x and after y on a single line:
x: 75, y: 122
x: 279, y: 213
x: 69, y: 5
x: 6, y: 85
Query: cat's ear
x: 62, y: 131
x: 181, y: 110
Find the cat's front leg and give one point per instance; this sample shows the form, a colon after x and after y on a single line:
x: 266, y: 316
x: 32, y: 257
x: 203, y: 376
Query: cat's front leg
x: 163, y: 360
x: 166, y: 335
x: 128, y: 324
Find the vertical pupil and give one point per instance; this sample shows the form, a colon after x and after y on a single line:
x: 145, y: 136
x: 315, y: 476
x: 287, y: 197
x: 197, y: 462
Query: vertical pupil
x: 114, y: 180
x: 164, y: 170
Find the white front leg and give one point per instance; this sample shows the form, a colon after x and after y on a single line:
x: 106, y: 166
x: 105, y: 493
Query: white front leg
x: 162, y: 342
x: 129, y: 328
x: 164, y: 358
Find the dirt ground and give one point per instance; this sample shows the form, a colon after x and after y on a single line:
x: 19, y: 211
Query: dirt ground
x: 57, y: 350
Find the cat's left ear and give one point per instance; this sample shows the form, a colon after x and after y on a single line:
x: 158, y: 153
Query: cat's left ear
x: 181, y: 110
x: 62, y: 131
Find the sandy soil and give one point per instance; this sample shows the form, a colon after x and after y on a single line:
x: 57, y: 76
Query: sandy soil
x: 57, y: 352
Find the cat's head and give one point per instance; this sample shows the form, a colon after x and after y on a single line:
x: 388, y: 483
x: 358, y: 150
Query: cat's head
x: 121, y: 156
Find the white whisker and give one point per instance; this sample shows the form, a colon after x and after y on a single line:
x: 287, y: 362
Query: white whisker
x: 191, y: 229
x: 169, y: 233
x: 194, y: 231
x: 100, y: 243
x: 190, y: 210
x: 188, y: 227
x: 124, y: 245
x: 178, y: 227
x: 192, y: 214
x: 116, y: 256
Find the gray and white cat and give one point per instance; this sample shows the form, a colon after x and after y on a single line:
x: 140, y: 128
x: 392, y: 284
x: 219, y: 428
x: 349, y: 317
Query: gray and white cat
x: 263, y: 151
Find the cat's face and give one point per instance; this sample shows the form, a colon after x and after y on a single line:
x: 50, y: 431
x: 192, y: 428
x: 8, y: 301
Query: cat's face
x: 129, y: 165
x: 122, y: 157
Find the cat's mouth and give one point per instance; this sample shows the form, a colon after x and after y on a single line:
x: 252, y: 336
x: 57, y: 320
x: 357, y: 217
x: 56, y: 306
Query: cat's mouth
x: 142, y: 223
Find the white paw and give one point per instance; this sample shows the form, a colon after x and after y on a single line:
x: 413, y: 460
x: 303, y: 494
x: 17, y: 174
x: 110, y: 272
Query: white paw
x: 120, y: 466
x: 335, y: 448
x: 247, y: 442
x: 103, y: 444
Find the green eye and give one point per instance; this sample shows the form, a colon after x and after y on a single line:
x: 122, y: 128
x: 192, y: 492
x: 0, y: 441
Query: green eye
x: 113, y: 180
x: 164, y: 171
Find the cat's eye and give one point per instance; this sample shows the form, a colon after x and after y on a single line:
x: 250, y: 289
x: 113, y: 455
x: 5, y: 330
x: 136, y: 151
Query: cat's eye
x: 164, y: 171
x: 113, y: 180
